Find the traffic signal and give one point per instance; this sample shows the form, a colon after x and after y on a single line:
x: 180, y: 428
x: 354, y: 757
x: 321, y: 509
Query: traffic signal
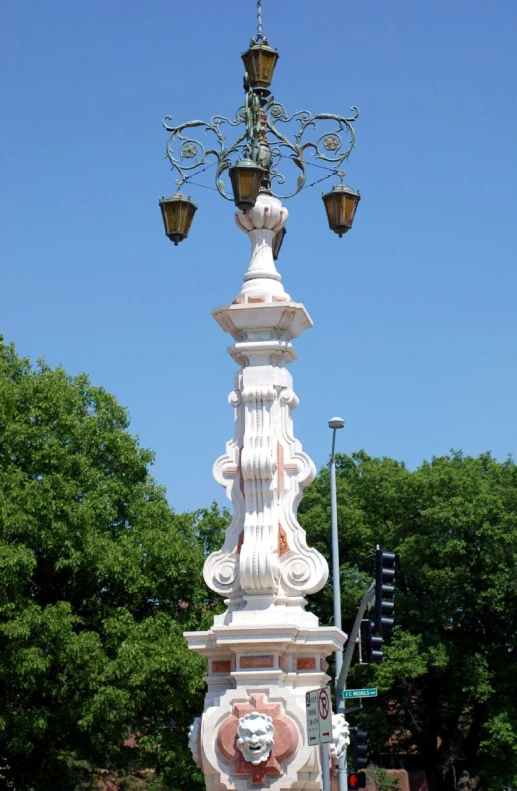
x: 361, y: 750
x: 374, y: 652
x: 356, y: 780
x: 384, y: 590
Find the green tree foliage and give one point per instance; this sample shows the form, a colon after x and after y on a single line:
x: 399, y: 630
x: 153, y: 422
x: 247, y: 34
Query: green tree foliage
x: 380, y: 779
x: 449, y: 680
x: 98, y: 580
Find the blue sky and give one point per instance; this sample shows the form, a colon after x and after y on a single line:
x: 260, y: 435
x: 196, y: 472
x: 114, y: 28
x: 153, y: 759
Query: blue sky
x: 414, y: 342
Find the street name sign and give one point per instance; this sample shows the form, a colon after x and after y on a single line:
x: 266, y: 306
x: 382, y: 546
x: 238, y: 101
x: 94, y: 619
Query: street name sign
x: 319, y: 716
x: 369, y: 692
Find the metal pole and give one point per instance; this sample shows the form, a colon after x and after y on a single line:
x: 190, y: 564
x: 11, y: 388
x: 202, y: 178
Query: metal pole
x: 335, y: 551
x: 325, y: 774
x: 342, y: 677
x: 259, y: 18
x: 352, y: 638
x: 336, y: 423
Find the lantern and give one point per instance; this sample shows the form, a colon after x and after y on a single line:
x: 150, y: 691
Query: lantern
x: 340, y: 205
x: 246, y: 177
x: 177, y: 212
x: 260, y: 61
x: 278, y: 238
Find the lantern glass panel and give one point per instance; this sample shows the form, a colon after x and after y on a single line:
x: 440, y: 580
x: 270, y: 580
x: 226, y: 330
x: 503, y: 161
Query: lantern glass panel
x: 349, y: 210
x: 246, y: 183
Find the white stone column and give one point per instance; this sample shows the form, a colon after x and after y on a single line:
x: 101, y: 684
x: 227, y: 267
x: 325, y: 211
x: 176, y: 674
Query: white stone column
x: 266, y: 651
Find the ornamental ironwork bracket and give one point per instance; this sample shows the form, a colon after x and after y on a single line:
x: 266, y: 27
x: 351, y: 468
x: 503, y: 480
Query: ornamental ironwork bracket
x: 261, y: 139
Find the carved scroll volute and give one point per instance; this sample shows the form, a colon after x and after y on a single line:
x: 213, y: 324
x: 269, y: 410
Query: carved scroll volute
x: 259, y: 562
x: 221, y: 569
x: 303, y: 569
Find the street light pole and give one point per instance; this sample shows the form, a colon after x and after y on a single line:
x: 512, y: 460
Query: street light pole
x: 336, y: 423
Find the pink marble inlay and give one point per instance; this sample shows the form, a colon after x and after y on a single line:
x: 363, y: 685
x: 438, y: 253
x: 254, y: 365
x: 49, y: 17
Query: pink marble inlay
x: 306, y: 663
x: 283, y: 545
x: 266, y: 660
x: 221, y: 666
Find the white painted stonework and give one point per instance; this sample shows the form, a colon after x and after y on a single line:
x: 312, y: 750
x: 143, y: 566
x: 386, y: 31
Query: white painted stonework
x: 340, y: 737
x: 266, y: 651
x: 256, y: 737
x: 194, y: 733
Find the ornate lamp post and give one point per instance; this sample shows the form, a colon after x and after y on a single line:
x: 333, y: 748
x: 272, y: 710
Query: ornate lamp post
x: 266, y: 651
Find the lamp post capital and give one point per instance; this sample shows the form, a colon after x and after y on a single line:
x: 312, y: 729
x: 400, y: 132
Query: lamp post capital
x: 265, y: 136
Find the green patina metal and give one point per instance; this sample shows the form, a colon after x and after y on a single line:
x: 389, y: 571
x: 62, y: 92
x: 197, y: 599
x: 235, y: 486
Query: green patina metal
x: 259, y: 20
x: 259, y: 137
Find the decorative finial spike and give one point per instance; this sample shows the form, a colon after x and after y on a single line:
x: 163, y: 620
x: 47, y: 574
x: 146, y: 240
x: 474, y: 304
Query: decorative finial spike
x: 259, y: 18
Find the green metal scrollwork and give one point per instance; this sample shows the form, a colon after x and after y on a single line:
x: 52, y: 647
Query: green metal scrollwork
x: 261, y: 140
x: 336, y: 150
x: 182, y: 148
x: 252, y: 113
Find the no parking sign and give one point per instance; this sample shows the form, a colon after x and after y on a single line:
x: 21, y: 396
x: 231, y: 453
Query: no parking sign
x: 319, y: 716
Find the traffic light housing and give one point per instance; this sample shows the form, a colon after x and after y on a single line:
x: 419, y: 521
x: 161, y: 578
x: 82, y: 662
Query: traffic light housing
x: 374, y: 642
x: 384, y: 590
x: 356, y: 780
x: 361, y: 748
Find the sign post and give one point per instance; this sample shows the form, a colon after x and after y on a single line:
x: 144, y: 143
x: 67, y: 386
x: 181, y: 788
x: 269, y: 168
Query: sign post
x: 319, y: 727
x: 368, y: 692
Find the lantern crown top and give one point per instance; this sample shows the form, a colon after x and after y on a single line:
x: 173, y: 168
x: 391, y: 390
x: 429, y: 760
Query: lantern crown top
x: 176, y: 196
x: 262, y: 42
x: 344, y: 188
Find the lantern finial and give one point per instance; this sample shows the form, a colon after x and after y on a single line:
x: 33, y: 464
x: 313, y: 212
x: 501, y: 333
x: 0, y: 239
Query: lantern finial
x: 259, y: 19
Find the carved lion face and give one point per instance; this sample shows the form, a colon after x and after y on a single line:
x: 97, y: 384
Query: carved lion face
x: 340, y: 736
x: 193, y: 740
x: 256, y: 737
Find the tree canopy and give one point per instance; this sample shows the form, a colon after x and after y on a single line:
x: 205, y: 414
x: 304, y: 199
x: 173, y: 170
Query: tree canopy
x: 98, y: 580
x: 448, y: 681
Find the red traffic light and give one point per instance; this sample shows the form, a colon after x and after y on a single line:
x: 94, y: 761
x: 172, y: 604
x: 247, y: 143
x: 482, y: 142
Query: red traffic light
x: 356, y: 780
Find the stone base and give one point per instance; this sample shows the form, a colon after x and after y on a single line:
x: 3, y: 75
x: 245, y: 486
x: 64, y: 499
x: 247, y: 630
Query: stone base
x: 267, y: 668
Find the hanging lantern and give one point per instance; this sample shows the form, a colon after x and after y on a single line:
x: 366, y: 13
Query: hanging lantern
x: 177, y: 212
x: 278, y: 238
x: 246, y: 177
x: 340, y: 205
x: 260, y: 61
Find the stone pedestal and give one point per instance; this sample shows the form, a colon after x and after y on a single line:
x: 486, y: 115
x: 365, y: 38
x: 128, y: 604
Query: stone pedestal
x: 266, y: 651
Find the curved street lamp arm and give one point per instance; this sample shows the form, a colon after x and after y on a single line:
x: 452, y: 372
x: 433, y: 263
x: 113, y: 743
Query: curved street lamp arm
x: 352, y: 638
